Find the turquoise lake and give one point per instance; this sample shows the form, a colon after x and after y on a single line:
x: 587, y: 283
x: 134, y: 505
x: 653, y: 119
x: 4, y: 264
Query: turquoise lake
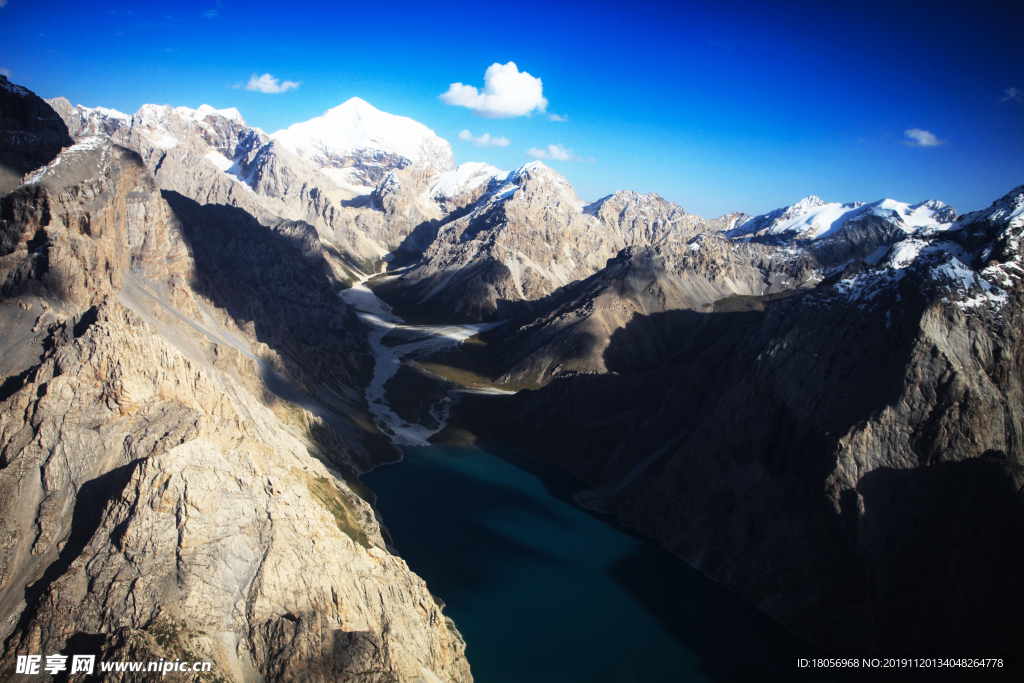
x: 545, y: 591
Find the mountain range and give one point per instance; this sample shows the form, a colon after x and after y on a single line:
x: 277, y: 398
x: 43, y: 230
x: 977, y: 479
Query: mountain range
x: 819, y: 407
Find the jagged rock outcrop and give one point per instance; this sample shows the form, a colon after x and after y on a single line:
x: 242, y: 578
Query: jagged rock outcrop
x: 161, y: 512
x: 80, y: 223
x: 86, y: 121
x: 31, y: 134
x: 850, y: 459
x: 213, y: 159
x: 157, y: 499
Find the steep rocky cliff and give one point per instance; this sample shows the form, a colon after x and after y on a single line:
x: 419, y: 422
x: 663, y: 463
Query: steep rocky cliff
x: 850, y: 459
x: 158, y: 498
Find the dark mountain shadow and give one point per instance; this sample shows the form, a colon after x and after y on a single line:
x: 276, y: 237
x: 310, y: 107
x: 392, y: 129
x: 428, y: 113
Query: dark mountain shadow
x: 734, y: 640
x: 422, y: 236
x: 478, y: 280
x: 270, y: 279
x: 32, y: 134
x: 672, y: 338
x: 955, y: 530
x: 277, y: 282
x: 719, y: 434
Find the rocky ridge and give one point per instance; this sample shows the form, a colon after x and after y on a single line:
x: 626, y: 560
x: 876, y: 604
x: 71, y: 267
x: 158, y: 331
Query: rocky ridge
x: 648, y: 300
x: 213, y: 157
x: 159, y: 501
x: 686, y: 265
x: 526, y: 237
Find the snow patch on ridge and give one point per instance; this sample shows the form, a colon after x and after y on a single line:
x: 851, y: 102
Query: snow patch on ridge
x: 105, y: 112
x: 218, y: 160
x: 87, y: 144
x: 944, y: 263
x: 466, y: 178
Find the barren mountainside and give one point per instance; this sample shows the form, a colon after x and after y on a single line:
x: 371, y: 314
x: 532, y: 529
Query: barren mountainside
x: 160, y: 500
x: 848, y: 458
x: 820, y: 407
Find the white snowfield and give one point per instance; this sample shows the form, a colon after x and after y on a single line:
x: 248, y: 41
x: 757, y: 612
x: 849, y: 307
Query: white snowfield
x: 89, y: 112
x: 812, y: 218
x: 219, y: 160
x: 466, y: 178
x: 356, y: 126
x: 231, y: 114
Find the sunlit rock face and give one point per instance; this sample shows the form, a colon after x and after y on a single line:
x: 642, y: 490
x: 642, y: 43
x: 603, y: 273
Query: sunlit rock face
x: 524, y: 238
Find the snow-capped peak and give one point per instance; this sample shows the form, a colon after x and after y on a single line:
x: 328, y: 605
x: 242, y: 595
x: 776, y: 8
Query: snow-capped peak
x: 104, y: 111
x: 807, y: 203
x: 1008, y: 208
x: 204, y: 110
x: 356, y: 126
x: 526, y: 168
x: 812, y: 218
x: 541, y: 181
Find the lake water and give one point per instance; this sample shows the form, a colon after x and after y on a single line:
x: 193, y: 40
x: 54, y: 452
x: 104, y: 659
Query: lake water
x: 543, y: 590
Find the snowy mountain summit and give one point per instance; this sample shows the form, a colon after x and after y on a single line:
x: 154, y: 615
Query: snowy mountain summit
x: 356, y: 144
x: 812, y: 218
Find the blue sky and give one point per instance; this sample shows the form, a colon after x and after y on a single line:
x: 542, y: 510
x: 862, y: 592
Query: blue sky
x: 739, y: 107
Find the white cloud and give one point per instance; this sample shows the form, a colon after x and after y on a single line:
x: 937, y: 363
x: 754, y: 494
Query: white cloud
x: 507, y: 92
x: 3, y: 3
x: 211, y: 13
x: 1014, y: 95
x: 921, y: 138
x: 5, y: 72
x: 556, y: 153
x: 557, y: 118
x: 485, y: 140
x: 268, y: 84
